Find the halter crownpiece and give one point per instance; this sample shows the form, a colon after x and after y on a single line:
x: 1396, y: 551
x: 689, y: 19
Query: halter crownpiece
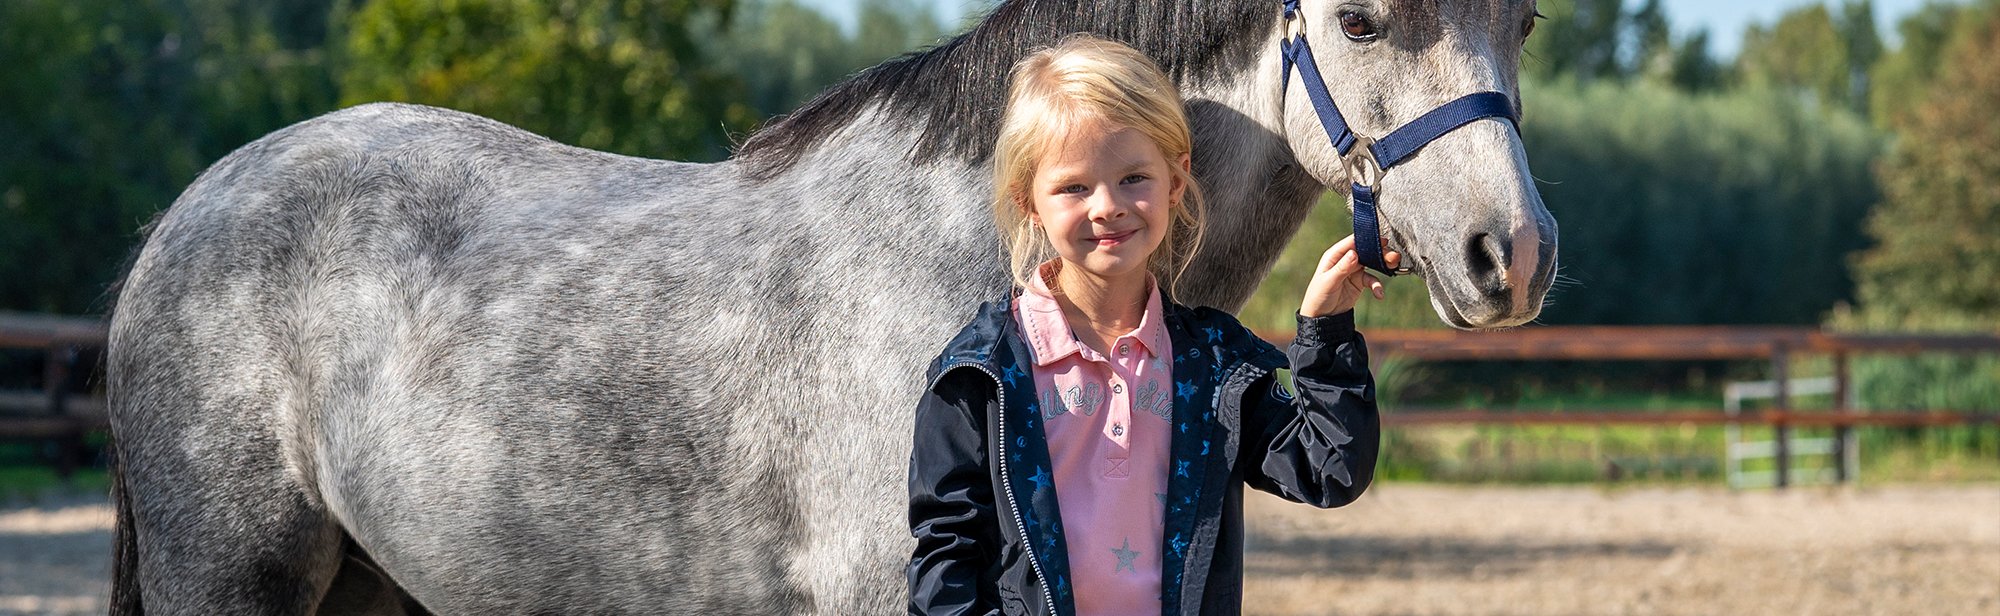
x: 1366, y: 160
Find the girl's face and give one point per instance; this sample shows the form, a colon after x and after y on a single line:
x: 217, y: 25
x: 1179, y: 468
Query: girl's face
x: 1103, y: 197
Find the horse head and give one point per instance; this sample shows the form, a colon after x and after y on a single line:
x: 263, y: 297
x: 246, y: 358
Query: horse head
x: 1461, y: 208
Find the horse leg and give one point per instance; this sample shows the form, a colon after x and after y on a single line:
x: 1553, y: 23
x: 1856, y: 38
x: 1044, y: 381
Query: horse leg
x: 361, y: 587
x: 216, y: 525
x: 220, y: 543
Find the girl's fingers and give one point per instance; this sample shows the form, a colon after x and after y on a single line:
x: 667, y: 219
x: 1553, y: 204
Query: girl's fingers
x: 1333, y: 254
x: 1392, y: 258
x: 1375, y: 285
x: 1349, y: 263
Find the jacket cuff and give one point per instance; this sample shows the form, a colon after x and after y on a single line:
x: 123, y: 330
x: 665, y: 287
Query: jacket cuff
x: 1326, y: 330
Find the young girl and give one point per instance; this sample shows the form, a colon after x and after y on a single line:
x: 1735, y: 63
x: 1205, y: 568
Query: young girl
x: 1083, y: 443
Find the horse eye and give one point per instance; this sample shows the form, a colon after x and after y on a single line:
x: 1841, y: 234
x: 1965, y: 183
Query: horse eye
x: 1530, y: 27
x: 1356, y: 26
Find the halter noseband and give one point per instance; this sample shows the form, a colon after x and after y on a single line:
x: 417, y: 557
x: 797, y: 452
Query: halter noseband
x: 1365, y: 159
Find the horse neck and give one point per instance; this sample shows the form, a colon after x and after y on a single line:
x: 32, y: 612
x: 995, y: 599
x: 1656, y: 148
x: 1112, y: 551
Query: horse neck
x: 860, y: 182
x: 1257, y: 195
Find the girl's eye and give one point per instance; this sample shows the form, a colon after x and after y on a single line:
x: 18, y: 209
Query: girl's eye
x: 1071, y: 189
x: 1356, y: 26
x: 1135, y: 178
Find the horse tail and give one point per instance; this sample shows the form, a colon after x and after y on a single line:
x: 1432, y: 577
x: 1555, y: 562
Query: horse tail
x: 125, y: 546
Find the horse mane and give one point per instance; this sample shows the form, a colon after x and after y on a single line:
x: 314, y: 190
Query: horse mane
x: 957, y: 88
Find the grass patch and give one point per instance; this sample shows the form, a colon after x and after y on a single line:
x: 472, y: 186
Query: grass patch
x: 35, y: 483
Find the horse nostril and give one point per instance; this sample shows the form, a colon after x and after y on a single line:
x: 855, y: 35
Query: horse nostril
x: 1486, y: 261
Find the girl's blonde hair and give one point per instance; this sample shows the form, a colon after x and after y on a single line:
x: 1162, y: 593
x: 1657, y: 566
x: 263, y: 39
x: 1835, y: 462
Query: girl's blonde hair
x: 1081, y: 80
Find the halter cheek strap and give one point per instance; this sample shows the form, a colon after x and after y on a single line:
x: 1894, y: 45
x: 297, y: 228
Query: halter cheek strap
x: 1364, y: 159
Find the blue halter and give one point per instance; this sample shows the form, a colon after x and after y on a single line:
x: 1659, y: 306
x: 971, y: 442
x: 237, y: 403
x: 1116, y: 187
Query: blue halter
x: 1367, y: 159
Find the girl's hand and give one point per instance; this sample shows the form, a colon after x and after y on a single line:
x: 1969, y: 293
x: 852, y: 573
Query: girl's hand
x: 1338, y: 282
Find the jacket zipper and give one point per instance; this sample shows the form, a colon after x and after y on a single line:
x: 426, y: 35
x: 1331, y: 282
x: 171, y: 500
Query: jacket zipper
x: 1007, y: 481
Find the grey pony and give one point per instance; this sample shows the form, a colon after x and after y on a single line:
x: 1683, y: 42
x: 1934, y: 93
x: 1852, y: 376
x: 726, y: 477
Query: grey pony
x: 400, y: 359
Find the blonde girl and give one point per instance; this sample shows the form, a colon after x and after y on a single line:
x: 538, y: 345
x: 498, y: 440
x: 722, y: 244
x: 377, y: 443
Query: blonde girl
x: 1083, y: 442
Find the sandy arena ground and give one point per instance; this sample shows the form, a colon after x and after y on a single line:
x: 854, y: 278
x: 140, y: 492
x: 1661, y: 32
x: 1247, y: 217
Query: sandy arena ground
x: 1423, y: 549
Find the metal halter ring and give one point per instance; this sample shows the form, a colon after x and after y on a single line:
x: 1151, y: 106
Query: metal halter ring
x: 1360, y: 163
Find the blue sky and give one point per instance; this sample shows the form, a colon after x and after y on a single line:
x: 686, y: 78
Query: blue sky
x: 1725, y: 19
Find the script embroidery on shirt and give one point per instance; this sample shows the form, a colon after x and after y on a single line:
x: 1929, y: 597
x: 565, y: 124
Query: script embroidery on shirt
x: 1084, y: 400
x: 1152, y: 398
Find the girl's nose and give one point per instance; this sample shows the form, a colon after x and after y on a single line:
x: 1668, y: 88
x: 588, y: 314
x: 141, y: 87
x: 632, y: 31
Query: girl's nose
x: 1105, y: 205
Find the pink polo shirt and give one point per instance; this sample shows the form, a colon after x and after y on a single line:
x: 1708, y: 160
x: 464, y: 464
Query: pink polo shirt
x: 1106, y: 421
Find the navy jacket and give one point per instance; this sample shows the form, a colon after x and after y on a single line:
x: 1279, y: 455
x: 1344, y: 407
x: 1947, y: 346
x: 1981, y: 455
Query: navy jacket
x: 989, y: 534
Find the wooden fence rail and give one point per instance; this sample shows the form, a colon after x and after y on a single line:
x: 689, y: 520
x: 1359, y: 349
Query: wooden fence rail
x: 58, y: 414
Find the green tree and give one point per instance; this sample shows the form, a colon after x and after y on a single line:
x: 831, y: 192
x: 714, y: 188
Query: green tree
x: 108, y: 108
x: 1864, y: 48
x: 1900, y: 77
x: 1580, y: 39
x: 1653, y: 48
x: 1803, y: 52
x: 619, y: 75
x: 1936, y: 256
x: 1810, y: 51
x: 786, y: 53
x: 1693, y: 69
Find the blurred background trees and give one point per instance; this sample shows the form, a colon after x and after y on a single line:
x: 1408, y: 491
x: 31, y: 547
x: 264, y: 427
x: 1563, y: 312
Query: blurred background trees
x: 1821, y: 167
x: 625, y: 76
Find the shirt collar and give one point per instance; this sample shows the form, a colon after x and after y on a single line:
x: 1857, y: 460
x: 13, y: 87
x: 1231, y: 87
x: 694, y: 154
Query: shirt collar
x: 1049, y: 334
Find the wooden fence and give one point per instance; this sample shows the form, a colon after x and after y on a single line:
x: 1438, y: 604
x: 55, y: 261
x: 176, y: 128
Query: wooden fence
x: 57, y: 414
x: 1779, y: 346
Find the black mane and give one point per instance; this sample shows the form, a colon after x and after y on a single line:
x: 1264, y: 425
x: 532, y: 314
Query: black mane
x: 958, y: 87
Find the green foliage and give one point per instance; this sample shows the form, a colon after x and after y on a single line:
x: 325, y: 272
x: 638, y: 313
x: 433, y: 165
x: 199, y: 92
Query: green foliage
x: 108, y: 108
x: 1812, y: 51
x: 1677, y: 209
x: 1589, y: 40
x: 1901, y: 76
x: 786, y: 52
x: 1936, y: 251
x: 1581, y: 39
x: 619, y: 75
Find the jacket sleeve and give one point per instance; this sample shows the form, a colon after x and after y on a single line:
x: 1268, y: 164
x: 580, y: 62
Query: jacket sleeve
x: 1319, y: 447
x: 951, y: 504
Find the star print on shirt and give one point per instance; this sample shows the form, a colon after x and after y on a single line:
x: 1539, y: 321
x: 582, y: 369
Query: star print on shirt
x: 1125, y: 556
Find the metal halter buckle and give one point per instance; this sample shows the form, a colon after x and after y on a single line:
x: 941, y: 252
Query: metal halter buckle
x: 1360, y: 163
